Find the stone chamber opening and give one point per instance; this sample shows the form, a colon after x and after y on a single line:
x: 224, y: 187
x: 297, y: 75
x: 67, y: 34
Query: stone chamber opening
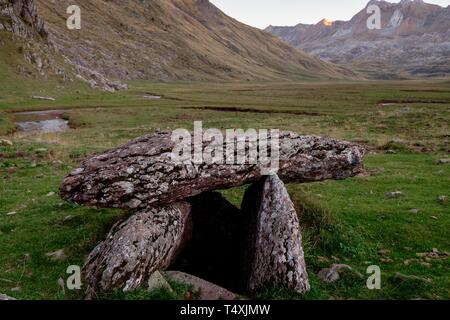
x: 216, y: 251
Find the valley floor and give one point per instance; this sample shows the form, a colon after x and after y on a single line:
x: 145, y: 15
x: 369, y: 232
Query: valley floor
x: 405, y: 125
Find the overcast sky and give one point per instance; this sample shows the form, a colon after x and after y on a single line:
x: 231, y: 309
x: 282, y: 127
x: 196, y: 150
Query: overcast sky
x: 262, y: 13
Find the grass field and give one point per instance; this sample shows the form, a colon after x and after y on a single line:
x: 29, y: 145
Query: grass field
x: 405, y: 125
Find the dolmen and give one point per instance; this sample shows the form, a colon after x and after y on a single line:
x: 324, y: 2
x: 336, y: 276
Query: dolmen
x: 177, y: 220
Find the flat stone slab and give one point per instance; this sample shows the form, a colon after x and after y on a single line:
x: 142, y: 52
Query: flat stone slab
x: 143, y: 174
x: 207, y: 290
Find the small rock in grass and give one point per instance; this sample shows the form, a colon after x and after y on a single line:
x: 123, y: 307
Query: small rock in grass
x: 433, y: 255
x: 407, y: 262
x: 40, y: 150
x: 434, y: 218
x: 68, y: 219
x: 12, y: 213
x: 330, y: 275
x: 62, y: 285
x: 157, y: 281
x: 386, y: 260
x: 442, y: 199
x: 394, y: 194
x: 4, y: 142
x: 43, y: 98
x: 16, y: 289
x: 4, y: 297
x: 50, y: 194
x: 58, y: 255
x: 383, y: 252
x: 401, y: 278
x: 322, y: 259
x: 414, y: 211
x: 444, y: 161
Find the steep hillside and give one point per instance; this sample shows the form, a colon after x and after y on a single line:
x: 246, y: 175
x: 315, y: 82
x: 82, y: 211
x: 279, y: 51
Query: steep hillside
x: 28, y: 55
x: 173, y: 40
x: 22, y: 35
x: 414, y: 40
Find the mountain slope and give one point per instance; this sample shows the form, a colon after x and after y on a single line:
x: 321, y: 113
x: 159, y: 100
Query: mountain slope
x: 414, y: 40
x: 173, y: 40
x: 24, y: 46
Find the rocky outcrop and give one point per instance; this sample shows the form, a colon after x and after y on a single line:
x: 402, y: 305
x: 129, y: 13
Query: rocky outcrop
x: 21, y: 18
x: 39, y: 46
x: 413, y: 41
x: 135, y: 248
x: 274, y: 253
x: 142, y: 173
x: 96, y: 79
x: 242, y: 250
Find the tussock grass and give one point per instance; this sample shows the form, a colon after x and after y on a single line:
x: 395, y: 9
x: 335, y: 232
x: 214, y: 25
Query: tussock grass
x: 320, y: 228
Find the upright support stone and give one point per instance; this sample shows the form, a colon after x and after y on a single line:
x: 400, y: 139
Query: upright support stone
x: 135, y: 248
x: 274, y: 253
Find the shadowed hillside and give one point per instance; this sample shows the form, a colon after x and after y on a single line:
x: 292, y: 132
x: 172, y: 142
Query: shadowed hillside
x: 173, y: 40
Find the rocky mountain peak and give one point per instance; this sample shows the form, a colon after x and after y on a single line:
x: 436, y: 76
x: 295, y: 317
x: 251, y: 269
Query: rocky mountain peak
x: 413, y: 40
x: 326, y: 23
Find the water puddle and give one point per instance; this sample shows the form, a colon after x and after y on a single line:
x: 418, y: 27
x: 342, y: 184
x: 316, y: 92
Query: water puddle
x: 48, y: 121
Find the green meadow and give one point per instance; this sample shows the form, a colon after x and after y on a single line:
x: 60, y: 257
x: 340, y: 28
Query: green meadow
x: 404, y: 125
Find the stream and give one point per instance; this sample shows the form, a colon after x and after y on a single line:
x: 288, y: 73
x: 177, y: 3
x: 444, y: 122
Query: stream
x: 47, y: 121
